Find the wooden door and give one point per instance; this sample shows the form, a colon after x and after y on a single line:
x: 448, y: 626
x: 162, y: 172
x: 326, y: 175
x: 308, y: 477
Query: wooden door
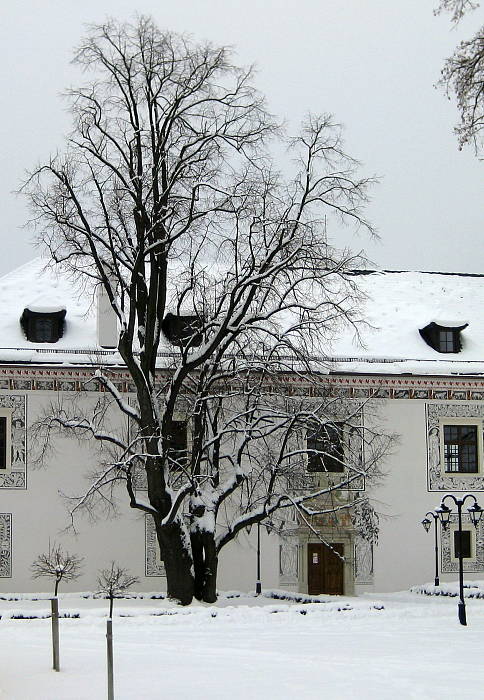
x: 325, y: 569
x: 315, y: 568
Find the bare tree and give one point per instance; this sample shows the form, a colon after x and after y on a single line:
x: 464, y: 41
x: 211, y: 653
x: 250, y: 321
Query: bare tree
x: 463, y: 76
x: 58, y: 565
x: 167, y: 197
x: 114, y: 582
x: 457, y: 8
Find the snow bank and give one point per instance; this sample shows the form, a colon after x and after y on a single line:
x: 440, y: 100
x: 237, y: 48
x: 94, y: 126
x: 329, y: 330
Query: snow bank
x: 471, y: 590
x: 347, y: 648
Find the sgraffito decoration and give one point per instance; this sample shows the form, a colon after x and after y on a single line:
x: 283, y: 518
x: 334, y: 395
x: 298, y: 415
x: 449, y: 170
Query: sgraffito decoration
x: 16, y: 476
x: 288, y: 562
x: 349, y: 412
x: 352, y: 387
x: 363, y: 562
x: 437, y: 479
x: 5, y: 545
x: 449, y: 563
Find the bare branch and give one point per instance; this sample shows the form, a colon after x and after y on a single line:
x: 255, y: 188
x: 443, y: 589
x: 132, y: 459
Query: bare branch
x: 58, y: 565
x: 169, y: 198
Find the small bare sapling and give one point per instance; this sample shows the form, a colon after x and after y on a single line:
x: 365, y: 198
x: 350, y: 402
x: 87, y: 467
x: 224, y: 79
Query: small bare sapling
x: 113, y: 582
x: 58, y: 565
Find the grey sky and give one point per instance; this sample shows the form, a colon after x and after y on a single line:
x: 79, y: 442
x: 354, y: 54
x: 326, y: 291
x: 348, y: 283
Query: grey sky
x: 373, y: 63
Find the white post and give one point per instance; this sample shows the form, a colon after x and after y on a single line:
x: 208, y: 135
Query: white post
x: 109, y: 643
x: 54, y: 606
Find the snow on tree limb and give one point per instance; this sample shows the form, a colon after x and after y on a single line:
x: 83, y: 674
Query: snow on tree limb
x: 457, y: 8
x: 463, y: 77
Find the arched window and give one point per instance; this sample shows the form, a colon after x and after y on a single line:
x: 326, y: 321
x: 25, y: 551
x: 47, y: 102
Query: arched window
x: 443, y: 338
x: 43, y: 326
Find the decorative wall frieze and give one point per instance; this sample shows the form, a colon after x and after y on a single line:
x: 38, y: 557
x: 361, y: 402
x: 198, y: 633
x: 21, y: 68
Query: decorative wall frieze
x: 22, y: 378
x: 338, y: 519
x: 5, y: 545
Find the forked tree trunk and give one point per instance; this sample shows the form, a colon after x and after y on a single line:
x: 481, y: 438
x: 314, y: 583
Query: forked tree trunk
x: 178, y: 562
x: 205, y: 562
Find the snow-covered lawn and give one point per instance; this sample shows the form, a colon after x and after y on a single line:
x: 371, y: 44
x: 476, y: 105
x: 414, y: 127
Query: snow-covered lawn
x: 400, y: 646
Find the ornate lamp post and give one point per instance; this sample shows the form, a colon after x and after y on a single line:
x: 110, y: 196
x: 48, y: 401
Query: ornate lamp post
x: 258, y: 584
x: 427, y: 523
x: 475, y: 511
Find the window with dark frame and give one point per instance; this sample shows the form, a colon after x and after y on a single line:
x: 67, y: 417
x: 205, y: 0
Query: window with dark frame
x: 178, y: 443
x: 325, y: 449
x: 462, y: 539
x: 44, y: 330
x: 3, y: 442
x: 447, y: 341
x: 460, y: 449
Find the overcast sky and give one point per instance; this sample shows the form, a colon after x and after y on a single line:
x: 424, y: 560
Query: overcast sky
x: 372, y: 63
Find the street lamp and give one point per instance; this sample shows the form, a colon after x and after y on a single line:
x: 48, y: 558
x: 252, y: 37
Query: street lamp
x: 427, y: 523
x: 258, y: 584
x: 475, y: 513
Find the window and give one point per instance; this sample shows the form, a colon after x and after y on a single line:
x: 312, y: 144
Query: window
x: 5, y: 440
x: 177, y: 448
x: 43, y: 326
x: 463, y: 540
x: 460, y: 449
x: 182, y: 330
x: 443, y: 338
x: 44, y: 330
x: 447, y: 341
x: 325, y: 448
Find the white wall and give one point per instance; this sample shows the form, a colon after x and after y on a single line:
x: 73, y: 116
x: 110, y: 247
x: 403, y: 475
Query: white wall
x: 403, y: 557
x: 40, y: 513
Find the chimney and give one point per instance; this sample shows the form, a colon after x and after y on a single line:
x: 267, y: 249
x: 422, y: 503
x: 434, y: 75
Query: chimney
x: 107, y: 322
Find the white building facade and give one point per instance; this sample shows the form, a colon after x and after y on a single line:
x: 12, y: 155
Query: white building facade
x: 422, y: 375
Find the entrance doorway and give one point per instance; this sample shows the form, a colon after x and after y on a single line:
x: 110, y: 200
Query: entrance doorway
x: 325, y: 569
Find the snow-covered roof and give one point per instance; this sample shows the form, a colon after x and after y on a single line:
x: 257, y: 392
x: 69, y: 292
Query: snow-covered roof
x: 39, y: 289
x: 397, y: 305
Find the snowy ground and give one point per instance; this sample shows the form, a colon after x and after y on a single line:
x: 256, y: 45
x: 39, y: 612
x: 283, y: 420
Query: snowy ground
x: 401, y: 646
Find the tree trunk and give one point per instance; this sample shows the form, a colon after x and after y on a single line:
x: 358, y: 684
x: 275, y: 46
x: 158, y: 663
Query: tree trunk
x: 198, y: 563
x: 178, y: 562
x: 205, y: 562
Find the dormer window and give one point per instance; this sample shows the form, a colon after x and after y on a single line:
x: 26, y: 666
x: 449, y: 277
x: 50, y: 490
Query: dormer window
x: 182, y: 330
x: 443, y: 338
x: 42, y: 325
